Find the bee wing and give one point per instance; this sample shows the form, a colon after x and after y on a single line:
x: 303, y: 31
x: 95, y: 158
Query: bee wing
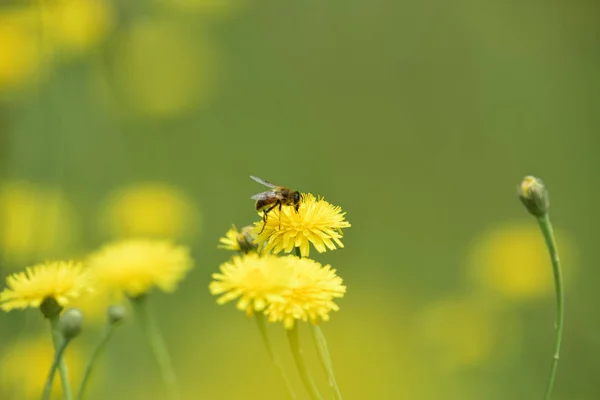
x: 269, y: 194
x: 263, y: 182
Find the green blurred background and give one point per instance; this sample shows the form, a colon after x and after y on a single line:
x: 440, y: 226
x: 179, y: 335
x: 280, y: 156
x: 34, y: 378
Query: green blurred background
x: 145, y: 118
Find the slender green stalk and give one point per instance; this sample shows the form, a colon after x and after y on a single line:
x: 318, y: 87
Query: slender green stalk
x: 59, y: 343
x: 157, y: 344
x: 106, y: 335
x: 325, y: 358
x: 294, y: 341
x: 547, y: 231
x: 58, y: 354
x: 260, y: 323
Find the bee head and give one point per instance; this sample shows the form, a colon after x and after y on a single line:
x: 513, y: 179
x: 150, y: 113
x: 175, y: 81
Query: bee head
x: 297, y: 200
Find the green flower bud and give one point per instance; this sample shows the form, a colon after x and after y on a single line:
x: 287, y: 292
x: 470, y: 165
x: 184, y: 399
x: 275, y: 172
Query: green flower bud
x: 534, y: 195
x: 246, y: 238
x: 116, y: 314
x: 71, y: 322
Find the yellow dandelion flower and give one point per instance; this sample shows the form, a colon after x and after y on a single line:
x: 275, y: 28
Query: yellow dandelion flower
x: 255, y: 280
x: 242, y: 240
x: 317, y: 222
x: 135, y: 266
x: 308, y: 295
x: 60, y: 280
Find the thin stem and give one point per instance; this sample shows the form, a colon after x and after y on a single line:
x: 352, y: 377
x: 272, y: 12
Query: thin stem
x: 547, y: 231
x: 59, y: 342
x: 58, y: 354
x: 157, y: 345
x: 292, y: 335
x: 260, y: 323
x: 325, y: 358
x: 106, y: 335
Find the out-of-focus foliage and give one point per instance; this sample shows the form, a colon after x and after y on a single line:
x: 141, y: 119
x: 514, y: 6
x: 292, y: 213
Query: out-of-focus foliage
x: 144, y: 119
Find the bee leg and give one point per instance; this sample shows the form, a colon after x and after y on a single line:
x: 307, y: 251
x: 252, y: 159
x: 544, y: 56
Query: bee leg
x: 265, y: 214
x: 279, y: 215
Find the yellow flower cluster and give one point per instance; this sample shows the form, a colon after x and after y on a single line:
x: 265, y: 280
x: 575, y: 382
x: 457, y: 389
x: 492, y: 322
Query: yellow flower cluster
x: 132, y: 267
x: 285, y: 288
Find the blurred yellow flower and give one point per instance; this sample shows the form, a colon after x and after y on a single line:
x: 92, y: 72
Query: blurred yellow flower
x: 238, y: 240
x: 21, y: 55
x: 308, y: 295
x: 512, y: 260
x: 164, y: 70
x: 151, y: 210
x: 76, y: 25
x: 459, y: 332
x: 37, y: 222
x: 24, y: 368
x: 135, y: 266
x: 286, y: 288
x: 60, y: 280
x: 317, y: 222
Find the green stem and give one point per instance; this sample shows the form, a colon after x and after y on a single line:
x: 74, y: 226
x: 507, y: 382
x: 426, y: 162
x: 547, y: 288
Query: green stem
x: 546, y: 227
x: 292, y: 335
x: 325, y: 358
x: 59, y: 342
x: 106, y: 335
x: 55, y: 363
x: 157, y: 345
x: 260, y: 322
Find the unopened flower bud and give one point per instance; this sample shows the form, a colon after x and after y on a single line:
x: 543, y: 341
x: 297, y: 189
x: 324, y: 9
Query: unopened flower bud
x: 246, y: 238
x: 534, y: 195
x: 116, y: 314
x: 71, y: 322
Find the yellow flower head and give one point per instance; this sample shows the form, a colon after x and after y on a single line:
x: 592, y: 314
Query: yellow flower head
x: 317, y: 222
x: 242, y: 240
x: 287, y: 288
x: 59, y: 280
x: 135, y: 266
x: 255, y: 280
x: 309, y: 294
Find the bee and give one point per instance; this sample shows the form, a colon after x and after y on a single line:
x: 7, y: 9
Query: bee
x: 278, y: 196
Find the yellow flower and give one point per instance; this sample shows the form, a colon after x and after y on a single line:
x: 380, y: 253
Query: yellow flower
x: 76, y: 25
x: 238, y: 240
x: 286, y: 288
x: 24, y: 368
x: 512, y: 261
x: 21, y: 56
x: 135, y: 266
x: 317, y: 222
x: 254, y: 279
x: 62, y: 281
x: 308, y: 295
x: 37, y: 222
x: 149, y: 209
